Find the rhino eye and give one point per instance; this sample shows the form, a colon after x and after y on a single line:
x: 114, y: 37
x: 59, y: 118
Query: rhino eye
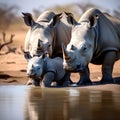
x: 38, y: 68
x: 73, y: 47
x: 84, y: 48
x: 49, y: 45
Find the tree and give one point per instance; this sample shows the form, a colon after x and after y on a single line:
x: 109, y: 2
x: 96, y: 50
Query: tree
x: 7, y: 15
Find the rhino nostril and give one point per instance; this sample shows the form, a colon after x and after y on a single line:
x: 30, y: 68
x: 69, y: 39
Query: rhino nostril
x: 78, y: 66
x: 31, y: 74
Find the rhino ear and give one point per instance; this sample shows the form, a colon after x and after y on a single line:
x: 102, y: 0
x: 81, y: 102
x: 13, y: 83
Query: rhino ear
x: 93, y: 20
x: 55, y: 19
x: 27, y: 56
x: 28, y: 19
x: 71, y: 19
x: 43, y: 56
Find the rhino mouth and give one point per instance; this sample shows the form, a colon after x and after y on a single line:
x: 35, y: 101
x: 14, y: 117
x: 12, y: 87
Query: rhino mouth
x: 30, y: 76
x: 35, y: 80
x: 33, y: 77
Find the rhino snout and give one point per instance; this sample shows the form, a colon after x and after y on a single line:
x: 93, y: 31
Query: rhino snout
x: 31, y: 74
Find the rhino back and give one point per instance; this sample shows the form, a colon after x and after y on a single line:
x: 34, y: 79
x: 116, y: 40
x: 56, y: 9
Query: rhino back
x: 62, y: 35
x: 46, y: 16
x: 115, y: 21
x: 108, y: 35
x: 108, y: 32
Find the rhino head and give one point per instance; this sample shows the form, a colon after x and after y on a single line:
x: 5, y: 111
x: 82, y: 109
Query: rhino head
x: 79, y: 51
x: 35, y: 68
x: 40, y: 37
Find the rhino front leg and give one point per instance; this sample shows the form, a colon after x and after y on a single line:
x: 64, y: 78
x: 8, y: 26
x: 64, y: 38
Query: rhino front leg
x: 65, y: 81
x: 107, y: 67
x: 85, y: 77
x: 47, y: 80
x: 36, y: 81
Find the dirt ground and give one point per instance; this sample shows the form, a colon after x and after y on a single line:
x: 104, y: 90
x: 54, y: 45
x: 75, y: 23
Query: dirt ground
x: 13, y: 66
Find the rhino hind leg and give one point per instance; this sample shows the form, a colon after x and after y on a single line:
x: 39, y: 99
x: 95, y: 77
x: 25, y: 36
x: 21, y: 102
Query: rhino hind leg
x: 107, y: 67
x: 85, y: 77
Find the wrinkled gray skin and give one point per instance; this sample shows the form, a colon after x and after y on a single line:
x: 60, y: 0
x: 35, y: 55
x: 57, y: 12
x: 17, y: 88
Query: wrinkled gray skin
x: 96, y: 39
x: 44, y: 70
x: 47, y: 34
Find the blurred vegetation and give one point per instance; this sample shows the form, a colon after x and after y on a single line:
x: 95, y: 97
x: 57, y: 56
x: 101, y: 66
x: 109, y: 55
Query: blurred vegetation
x: 9, y: 14
x: 76, y: 9
x: 117, y: 12
x: 11, y: 22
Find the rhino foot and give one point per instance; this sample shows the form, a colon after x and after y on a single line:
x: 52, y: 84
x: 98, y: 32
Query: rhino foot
x: 107, y: 81
x: 29, y: 82
x: 36, y: 82
x: 84, y: 82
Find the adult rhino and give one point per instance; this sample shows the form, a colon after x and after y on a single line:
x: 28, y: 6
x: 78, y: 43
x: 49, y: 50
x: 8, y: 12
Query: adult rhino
x: 47, y: 33
x: 96, y: 39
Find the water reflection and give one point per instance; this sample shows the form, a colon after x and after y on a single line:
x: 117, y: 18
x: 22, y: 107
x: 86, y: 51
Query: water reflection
x: 72, y: 104
x: 34, y: 103
x: 12, y: 100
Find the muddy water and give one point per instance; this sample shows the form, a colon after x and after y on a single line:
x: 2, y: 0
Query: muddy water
x: 34, y: 103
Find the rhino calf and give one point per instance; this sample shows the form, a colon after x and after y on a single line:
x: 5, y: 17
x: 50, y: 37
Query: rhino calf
x: 44, y: 70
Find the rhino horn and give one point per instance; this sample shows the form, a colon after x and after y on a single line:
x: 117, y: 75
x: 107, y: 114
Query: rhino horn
x: 65, y: 53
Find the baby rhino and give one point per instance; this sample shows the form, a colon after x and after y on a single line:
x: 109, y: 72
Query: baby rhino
x: 44, y: 70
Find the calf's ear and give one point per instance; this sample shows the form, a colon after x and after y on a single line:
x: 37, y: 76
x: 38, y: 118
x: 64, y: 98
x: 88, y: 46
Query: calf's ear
x: 28, y: 19
x: 27, y: 56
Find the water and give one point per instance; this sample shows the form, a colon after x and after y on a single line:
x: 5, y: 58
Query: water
x: 34, y: 103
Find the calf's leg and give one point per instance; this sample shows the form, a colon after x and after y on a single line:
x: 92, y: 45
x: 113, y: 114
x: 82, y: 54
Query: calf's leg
x: 47, y: 79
